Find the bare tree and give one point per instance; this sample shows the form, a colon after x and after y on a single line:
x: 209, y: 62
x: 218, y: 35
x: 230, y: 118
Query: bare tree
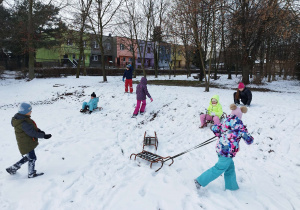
x: 30, y: 41
x: 81, y: 21
x: 128, y: 24
x: 100, y: 19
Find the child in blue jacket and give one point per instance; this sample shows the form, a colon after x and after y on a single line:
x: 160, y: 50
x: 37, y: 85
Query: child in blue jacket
x: 91, y: 105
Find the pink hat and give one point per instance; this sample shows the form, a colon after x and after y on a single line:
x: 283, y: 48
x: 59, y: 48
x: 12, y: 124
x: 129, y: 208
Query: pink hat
x: 241, y: 85
x: 238, y: 111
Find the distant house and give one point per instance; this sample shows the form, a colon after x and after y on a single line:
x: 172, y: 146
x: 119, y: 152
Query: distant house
x: 123, y: 51
x: 95, y: 59
x: 149, y: 54
x: 65, y: 54
x: 164, y: 55
x: 177, y: 57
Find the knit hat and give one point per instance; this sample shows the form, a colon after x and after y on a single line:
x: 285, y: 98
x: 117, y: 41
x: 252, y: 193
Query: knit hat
x: 24, y: 108
x: 241, y: 85
x: 238, y: 111
x: 93, y: 94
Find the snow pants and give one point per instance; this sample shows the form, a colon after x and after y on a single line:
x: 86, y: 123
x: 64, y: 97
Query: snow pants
x: 205, y: 117
x: 138, y: 104
x: 90, y: 106
x: 224, y: 164
x: 30, y: 158
x: 128, y: 82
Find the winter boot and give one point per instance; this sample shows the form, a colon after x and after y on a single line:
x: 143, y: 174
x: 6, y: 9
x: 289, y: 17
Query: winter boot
x: 134, y: 116
x: 198, y: 186
x: 34, y: 174
x: 13, y: 169
x: 141, y: 113
x: 204, y: 125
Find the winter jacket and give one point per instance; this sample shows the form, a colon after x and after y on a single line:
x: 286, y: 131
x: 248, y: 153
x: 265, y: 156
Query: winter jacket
x: 128, y: 73
x: 93, y: 103
x: 141, y: 90
x: 27, y: 133
x: 217, y: 109
x: 246, y: 96
x: 230, y: 133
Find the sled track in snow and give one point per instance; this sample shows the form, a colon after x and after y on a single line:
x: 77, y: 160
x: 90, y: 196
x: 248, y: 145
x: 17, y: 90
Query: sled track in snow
x: 51, y: 101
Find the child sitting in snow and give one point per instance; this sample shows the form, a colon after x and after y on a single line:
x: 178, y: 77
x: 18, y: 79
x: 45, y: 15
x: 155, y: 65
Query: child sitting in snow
x: 141, y: 92
x: 230, y: 133
x: 91, y: 105
x: 214, y: 112
x: 27, y: 134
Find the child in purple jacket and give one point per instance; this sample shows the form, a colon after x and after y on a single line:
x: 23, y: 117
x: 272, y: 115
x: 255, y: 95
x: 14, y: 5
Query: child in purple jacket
x: 141, y: 92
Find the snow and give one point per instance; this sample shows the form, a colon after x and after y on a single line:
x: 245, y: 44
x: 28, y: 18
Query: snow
x: 87, y: 165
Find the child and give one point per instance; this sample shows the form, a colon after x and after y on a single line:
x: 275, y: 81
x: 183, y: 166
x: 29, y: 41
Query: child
x: 214, y: 112
x: 27, y: 134
x: 91, y: 105
x: 243, y: 94
x: 141, y: 92
x: 230, y: 133
x: 128, y: 75
x: 238, y: 111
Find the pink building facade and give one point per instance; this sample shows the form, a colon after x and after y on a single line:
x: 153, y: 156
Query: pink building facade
x: 123, y: 51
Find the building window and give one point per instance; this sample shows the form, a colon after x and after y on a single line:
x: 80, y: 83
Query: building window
x: 139, y: 60
x: 108, y: 46
x: 84, y: 43
x: 148, y: 49
x: 130, y: 59
x: 96, y: 45
x: 167, y: 51
x: 124, y: 59
x: 141, y: 49
x: 94, y: 57
x: 69, y: 42
x: 122, y: 47
x: 131, y: 48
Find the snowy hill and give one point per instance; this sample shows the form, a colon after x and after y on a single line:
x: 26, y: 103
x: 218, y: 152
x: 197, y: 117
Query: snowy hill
x: 86, y: 162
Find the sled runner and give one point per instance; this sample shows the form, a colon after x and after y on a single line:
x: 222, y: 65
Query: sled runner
x: 153, y: 158
x: 87, y: 111
x: 150, y: 141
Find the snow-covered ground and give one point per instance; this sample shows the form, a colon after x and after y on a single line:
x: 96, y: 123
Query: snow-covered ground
x: 86, y: 162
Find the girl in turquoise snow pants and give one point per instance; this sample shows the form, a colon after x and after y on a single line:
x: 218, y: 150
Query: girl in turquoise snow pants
x: 230, y: 132
x: 224, y: 164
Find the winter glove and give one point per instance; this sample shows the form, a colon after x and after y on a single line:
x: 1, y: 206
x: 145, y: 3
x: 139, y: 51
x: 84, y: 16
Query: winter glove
x: 47, y: 136
x: 212, y: 114
x: 151, y: 99
x: 123, y: 79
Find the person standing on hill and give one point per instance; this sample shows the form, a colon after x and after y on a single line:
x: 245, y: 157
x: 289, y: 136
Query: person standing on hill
x: 27, y: 135
x: 128, y: 75
x: 141, y: 93
x: 230, y: 132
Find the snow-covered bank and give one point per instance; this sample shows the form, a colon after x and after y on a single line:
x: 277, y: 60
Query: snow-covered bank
x: 87, y: 165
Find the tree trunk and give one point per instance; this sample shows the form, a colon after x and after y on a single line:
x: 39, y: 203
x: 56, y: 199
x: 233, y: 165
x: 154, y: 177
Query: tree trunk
x: 30, y: 42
